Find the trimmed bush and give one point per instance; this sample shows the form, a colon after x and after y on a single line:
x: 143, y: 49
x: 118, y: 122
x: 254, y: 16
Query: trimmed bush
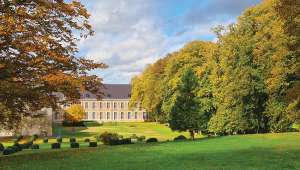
x: 72, y: 140
x: 35, y: 137
x: 45, y: 140
x: 151, y: 140
x: 55, y: 146
x: 180, y: 137
x: 93, y: 144
x: 1, y: 147
x: 17, y: 147
x: 74, y: 145
x: 59, y: 139
x: 27, y: 145
x: 141, y: 138
x: 87, y: 140
x: 8, y: 151
x: 108, y: 138
x: 35, y: 146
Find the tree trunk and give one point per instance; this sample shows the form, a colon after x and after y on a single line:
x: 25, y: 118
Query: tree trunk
x: 192, y: 134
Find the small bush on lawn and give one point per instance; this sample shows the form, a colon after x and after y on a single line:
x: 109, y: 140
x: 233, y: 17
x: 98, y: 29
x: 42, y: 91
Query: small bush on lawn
x: 93, y: 144
x: 107, y: 137
x: 59, y: 139
x: 8, y: 151
x: 35, y: 137
x: 72, y: 140
x: 27, y: 145
x: 55, y: 146
x: 87, y: 140
x: 74, y: 145
x: 17, y: 147
x: 35, y: 146
x: 151, y: 140
x: 141, y: 138
x: 45, y: 140
x: 1, y: 147
x: 180, y: 137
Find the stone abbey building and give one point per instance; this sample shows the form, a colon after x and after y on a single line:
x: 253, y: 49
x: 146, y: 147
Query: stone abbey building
x: 112, y: 107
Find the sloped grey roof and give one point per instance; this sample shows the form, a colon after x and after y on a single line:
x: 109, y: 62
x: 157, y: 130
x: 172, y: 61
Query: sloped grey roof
x: 111, y: 91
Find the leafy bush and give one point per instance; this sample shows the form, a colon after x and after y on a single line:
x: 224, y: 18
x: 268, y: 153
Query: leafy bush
x: 17, y: 147
x: 72, y: 140
x: 1, y: 147
x: 74, y: 145
x: 59, y: 139
x: 93, y: 144
x: 27, y: 145
x: 8, y: 151
x: 141, y: 138
x: 45, y: 140
x: 35, y: 146
x: 107, y: 137
x: 55, y: 146
x: 180, y: 137
x: 87, y: 140
x: 67, y: 123
x: 35, y: 137
x: 151, y: 140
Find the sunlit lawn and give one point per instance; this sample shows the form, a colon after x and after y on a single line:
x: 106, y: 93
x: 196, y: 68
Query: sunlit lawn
x: 264, y: 151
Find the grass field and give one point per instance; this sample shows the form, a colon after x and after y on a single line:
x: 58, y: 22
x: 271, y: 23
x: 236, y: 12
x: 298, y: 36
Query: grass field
x: 265, y: 151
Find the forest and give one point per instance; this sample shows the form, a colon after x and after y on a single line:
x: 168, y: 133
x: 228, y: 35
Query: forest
x: 248, y: 81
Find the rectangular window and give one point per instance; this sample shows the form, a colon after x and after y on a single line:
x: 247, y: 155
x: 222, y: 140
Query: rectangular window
x: 86, y: 105
x: 100, y: 105
x: 122, y: 105
x: 86, y: 115
x: 115, y: 115
x: 108, y: 105
x: 107, y: 115
x: 94, y: 115
x: 144, y: 115
x: 115, y: 105
x: 135, y: 115
x: 122, y: 115
x: 93, y: 105
x: 129, y: 115
x: 101, y: 116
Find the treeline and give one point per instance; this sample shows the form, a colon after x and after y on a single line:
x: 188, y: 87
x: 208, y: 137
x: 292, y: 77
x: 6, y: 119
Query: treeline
x: 247, y: 82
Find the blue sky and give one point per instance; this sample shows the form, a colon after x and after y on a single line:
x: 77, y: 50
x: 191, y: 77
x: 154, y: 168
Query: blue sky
x: 131, y: 34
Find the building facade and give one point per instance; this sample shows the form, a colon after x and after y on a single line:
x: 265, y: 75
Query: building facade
x: 112, y: 107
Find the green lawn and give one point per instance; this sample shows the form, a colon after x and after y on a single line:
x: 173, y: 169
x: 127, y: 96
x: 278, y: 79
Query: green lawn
x: 265, y: 151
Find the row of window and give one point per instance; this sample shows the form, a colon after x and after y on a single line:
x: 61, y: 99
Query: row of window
x: 114, y: 116
x: 104, y: 105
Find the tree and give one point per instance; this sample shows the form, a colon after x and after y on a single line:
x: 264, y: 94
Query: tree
x: 75, y: 113
x: 184, y: 106
x: 38, y: 46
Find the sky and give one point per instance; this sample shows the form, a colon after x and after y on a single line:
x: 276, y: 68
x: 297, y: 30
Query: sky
x: 130, y: 34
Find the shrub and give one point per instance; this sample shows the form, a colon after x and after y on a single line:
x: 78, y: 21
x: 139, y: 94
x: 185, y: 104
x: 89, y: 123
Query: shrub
x: 141, y: 138
x: 87, y: 140
x: 107, y: 137
x: 1, y: 147
x: 35, y: 137
x: 180, y: 137
x: 45, y: 140
x: 151, y: 140
x: 35, y: 146
x: 27, y: 145
x: 55, y: 146
x: 74, y: 145
x: 17, y: 147
x: 8, y: 151
x: 93, y: 144
x: 59, y: 139
x: 72, y: 140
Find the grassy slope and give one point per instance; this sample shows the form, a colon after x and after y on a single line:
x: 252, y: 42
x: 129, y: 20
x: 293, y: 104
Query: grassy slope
x: 268, y: 151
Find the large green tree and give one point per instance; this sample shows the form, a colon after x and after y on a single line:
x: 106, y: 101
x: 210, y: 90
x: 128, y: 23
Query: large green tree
x: 38, y: 46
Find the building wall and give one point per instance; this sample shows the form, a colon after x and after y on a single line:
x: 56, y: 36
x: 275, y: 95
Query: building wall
x: 109, y: 110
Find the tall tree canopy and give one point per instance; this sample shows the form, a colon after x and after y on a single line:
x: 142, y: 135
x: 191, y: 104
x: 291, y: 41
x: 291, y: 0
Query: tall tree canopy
x: 248, y: 81
x: 37, y: 55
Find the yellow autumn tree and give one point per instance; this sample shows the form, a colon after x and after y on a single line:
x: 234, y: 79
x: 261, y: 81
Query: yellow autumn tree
x: 75, y: 113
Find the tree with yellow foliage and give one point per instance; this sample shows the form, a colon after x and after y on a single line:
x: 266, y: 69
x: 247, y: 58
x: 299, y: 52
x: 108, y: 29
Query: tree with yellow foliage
x: 75, y: 113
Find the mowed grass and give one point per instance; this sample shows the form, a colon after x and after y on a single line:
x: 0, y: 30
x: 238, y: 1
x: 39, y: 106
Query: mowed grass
x: 263, y: 151
x: 148, y: 129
